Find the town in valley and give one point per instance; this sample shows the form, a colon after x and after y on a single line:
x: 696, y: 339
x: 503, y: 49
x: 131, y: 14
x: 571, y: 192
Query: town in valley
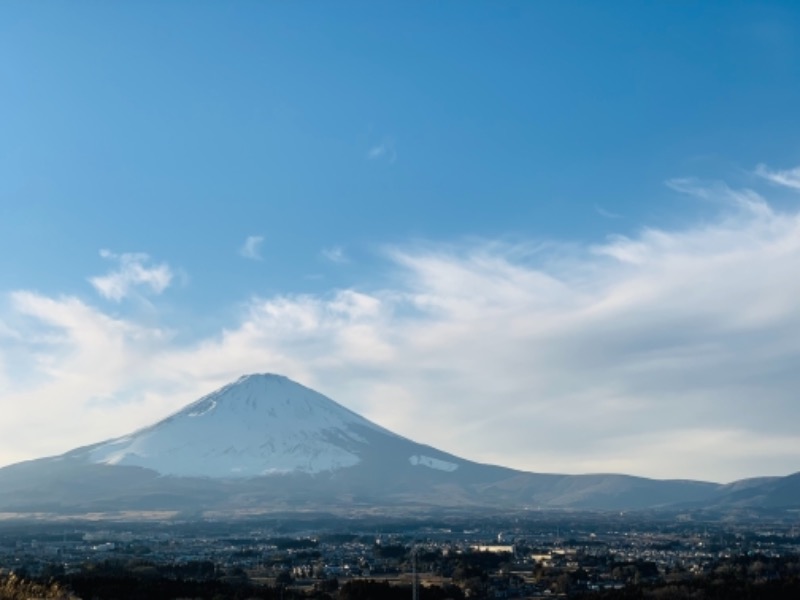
x: 534, y: 555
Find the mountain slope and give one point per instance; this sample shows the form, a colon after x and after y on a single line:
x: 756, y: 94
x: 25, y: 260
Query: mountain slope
x: 266, y: 443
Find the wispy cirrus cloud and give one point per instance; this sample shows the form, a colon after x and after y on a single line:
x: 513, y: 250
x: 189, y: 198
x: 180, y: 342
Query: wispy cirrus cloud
x: 788, y: 178
x: 569, y: 359
x: 606, y: 213
x: 718, y: 193
x: 133, y: 270
x: 251, y: 248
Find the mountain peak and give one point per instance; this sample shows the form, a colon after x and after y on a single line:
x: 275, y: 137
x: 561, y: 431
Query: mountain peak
x: 276, y: 377
x: 271, y: 395
x: 257, y: 425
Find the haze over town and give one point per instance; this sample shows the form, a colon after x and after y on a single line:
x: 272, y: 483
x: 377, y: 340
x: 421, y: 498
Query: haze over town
x: 556, y: 242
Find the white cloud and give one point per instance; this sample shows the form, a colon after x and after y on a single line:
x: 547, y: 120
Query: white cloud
x: 78, y: 372
x: 384, y: 150
x: 133, y: 270
x: 335, y: 254
x: 668, y: 353
x: 376, y: 151
x: 8, y: 332
x: 251, y: 248
x: 789, y: 178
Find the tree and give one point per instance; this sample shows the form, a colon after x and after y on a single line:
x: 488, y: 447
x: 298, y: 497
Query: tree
x: 13, y: 587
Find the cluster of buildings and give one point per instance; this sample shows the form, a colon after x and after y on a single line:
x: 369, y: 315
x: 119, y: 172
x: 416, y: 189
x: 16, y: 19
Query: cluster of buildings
x: 527, y: 560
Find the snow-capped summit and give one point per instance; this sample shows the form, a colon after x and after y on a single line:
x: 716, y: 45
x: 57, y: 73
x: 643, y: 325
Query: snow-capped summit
x: 261, y: 424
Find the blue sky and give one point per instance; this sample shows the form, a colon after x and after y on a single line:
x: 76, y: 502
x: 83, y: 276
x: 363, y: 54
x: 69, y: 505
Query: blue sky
x: 424, y: 210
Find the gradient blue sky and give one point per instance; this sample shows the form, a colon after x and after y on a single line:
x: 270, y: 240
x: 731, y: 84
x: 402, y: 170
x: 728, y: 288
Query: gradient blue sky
x: 577, y: 218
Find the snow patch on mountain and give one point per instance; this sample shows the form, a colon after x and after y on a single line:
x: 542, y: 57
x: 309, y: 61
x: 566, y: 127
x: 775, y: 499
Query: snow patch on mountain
x: 420, y: 460
x: 259, y: 425
x: 203, y: 409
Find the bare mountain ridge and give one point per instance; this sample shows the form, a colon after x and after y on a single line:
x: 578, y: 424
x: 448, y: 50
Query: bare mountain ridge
x: 266, y: 443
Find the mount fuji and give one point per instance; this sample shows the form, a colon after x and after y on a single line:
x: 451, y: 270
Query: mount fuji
x: 260, y: 425
x: 267, y: 444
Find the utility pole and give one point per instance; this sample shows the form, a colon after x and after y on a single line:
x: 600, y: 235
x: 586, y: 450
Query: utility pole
x: 414, y: 575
